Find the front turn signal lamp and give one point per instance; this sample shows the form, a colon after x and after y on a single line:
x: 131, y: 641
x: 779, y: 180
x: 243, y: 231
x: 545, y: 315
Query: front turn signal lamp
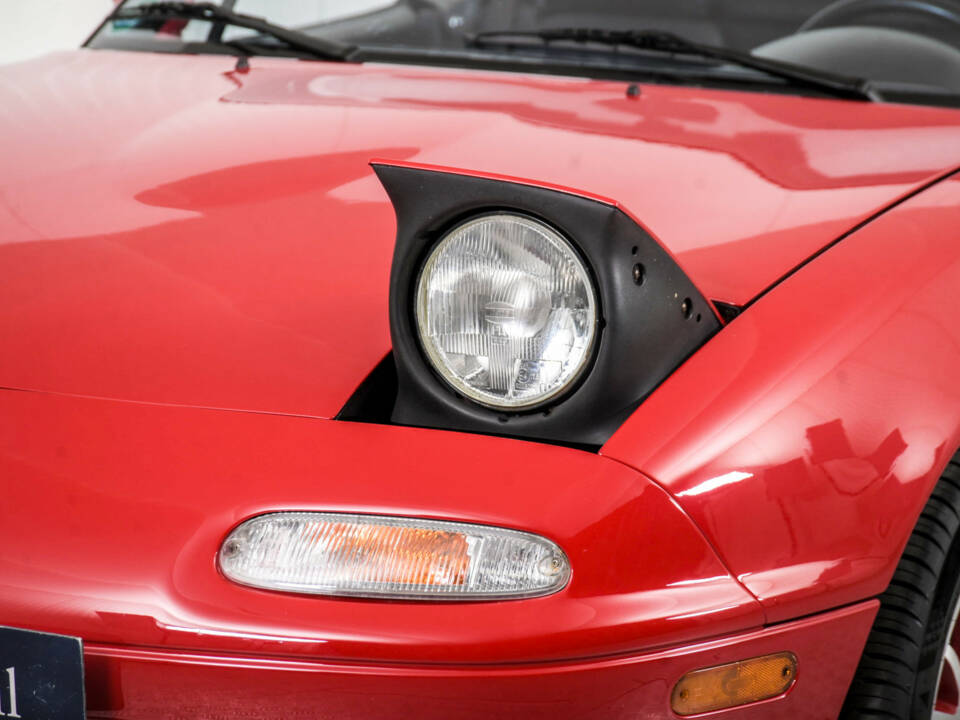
x: 733, y: 684
x: 390, y: 557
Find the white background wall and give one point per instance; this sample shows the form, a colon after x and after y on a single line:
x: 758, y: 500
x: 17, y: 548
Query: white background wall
x: 29, y: 28
x: 33, y: 27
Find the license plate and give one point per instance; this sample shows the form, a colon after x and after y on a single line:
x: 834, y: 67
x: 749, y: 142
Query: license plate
x: 41, y: 676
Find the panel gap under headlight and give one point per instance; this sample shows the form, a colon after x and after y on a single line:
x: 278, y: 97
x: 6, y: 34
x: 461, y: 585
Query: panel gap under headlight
x: 373, y: 402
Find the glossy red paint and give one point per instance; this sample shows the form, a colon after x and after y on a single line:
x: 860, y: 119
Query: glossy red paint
x: 193, y: 279
x: 804, y: 438
x: 216, y: 239
x: 122, y: 507
x: 134, y: 684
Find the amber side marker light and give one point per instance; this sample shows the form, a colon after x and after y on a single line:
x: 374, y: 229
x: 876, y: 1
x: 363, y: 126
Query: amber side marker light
x: 733, y: 684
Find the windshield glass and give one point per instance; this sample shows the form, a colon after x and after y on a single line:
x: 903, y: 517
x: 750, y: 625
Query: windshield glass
x: 909, y: 47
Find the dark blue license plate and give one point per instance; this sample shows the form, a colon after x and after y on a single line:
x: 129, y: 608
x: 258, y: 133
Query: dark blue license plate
x: 41, y: 676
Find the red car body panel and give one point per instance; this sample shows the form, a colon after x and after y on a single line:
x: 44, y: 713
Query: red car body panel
x: 134, y: 683
x: 194, y: 270
x: 171, y: 482
x: 218, y: 239
x: 825, y: 413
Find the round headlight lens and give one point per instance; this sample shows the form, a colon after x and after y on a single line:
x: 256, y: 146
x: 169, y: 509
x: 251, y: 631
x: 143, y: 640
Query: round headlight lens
x: 506, y: 311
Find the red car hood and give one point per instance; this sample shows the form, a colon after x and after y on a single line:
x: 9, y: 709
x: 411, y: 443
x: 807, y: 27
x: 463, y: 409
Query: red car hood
x: 175, y: 232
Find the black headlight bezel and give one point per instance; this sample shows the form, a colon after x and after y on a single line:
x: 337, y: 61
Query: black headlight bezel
x: 645, y: 329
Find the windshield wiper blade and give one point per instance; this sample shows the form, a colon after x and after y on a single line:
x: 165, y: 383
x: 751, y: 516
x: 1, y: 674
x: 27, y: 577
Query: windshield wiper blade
x: 294, y: 39
x: 667, y: 42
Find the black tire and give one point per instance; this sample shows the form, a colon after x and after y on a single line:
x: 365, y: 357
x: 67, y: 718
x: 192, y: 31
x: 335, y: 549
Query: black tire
x: 900, y: 670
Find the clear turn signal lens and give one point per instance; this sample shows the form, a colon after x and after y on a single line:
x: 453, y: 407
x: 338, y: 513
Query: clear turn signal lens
x: 390, y: 557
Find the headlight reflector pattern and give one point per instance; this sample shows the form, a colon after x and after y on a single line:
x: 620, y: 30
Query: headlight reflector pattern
x: 506, y: 311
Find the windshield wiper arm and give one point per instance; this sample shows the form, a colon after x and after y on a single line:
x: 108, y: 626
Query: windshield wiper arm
x: 667, y: 42
x: 294, y: 39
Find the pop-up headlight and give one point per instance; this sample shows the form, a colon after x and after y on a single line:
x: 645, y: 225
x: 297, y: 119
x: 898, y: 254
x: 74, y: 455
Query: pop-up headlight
x: 524, y: 311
